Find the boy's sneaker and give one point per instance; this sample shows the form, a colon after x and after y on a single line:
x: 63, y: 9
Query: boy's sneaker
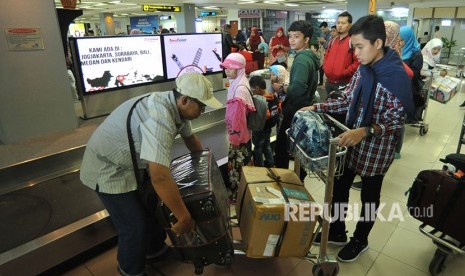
x: 339, y: 240
x: 352, y: 250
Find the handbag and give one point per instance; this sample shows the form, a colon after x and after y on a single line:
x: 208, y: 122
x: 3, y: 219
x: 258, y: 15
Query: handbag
x: 146, y: 191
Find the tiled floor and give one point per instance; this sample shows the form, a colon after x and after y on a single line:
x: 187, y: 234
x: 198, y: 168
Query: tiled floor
x: 396, y: 247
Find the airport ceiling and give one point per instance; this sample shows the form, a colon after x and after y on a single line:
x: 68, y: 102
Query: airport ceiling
x: 92, y: 8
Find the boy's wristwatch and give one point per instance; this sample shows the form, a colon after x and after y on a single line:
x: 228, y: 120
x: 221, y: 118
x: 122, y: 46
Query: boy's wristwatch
x: 370, y: 131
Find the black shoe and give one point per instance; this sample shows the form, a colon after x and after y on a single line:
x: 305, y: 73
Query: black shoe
x: 357, y: 185
x: 352, y: 250
x: 339, y: 240
x: 462, y: 105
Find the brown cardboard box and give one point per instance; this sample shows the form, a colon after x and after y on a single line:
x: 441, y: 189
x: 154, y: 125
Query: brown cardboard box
x: 262, y: 212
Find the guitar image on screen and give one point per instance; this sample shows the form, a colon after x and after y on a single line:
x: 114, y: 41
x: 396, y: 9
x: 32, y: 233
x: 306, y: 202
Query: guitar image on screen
x: 194, y: 67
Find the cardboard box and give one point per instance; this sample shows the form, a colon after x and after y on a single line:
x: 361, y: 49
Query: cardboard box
x: 444, y: 88
x: 262, y: 211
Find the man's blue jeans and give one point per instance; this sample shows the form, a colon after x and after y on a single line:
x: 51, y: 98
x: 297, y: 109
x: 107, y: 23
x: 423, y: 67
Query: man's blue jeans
x: 139, y: 232
x: 261, y: 143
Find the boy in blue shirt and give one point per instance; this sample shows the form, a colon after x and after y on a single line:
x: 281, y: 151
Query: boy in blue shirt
x: 261, y: 138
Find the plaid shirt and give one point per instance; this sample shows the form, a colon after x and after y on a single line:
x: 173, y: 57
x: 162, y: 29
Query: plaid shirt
x: 374, y: 154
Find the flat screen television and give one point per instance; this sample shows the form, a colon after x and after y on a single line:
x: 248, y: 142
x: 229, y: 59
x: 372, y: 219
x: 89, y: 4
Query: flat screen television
x: 192, y: 53
x: 110, y: 63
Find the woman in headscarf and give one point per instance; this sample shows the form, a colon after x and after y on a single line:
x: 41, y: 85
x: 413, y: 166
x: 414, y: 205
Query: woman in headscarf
x: 238, y: 104
x: 279, y: 45
x: 431, y: 54
x: 411, y: 55
x: 252, y: 43
x: 279, y: 78
x: 393, y: 40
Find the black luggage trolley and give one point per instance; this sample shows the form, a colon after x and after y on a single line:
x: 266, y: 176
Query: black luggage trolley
x: 446, y: 245
x: 324, y: 168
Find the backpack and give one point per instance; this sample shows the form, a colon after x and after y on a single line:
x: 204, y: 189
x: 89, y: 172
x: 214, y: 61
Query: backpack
x: 256, y: 119
x: 274, y: 114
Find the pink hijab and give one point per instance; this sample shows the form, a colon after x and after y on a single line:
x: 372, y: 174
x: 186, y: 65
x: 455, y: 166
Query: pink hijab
x: 238, y: 87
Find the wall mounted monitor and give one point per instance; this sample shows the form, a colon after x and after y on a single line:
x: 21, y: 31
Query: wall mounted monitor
x: 111, y: 63
x: 192, y: 53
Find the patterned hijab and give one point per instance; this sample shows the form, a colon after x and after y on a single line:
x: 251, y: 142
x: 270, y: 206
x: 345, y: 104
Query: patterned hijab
x: 428, y: 56
x: 281, y: 72
x: 411, y: 45
x: 392, y: 36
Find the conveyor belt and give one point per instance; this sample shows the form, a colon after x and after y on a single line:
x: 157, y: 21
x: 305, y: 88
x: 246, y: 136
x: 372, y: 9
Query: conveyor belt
x: 35, y: 211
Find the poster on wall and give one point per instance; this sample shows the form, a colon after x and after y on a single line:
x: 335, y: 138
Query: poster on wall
x: 24, y: 39
x: 144, y: 23
x: 76, y: 29
x: 117, y: 62
x: 192, y: 53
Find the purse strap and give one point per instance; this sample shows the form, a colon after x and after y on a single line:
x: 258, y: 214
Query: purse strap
x: 131, y: 143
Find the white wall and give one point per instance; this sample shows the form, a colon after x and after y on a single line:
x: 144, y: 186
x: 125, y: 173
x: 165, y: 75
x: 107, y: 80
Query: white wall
x: 35, y: 95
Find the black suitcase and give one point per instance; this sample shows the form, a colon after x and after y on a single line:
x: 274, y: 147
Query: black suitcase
x: 438, y: 199
x: 204, y: 193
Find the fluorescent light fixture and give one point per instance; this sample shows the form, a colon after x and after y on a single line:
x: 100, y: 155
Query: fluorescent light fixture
x: 115, y: 2
x: 211, y: 8
x: 446, y: 22
x: 246, y: 2
x: 270, y: 3
x: 399, y: 12
x: 100, y: 4
x: 291, y: 5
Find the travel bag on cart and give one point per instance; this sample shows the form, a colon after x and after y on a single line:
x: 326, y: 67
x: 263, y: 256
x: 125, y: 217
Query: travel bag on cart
x: 311, y: 131
x: 438, y: 199
x: 204, y: 193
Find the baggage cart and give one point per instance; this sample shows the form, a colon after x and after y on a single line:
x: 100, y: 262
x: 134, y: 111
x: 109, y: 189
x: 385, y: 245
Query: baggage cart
x: 422, y: 111
x: 324, y: 168
x: 446, y: 244
x: 461, y: 137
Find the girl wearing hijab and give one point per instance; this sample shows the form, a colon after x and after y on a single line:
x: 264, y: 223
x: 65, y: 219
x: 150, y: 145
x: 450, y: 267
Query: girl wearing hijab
x: 393, y: 41
x: 431, y: 54
x: 252, y: 43
x: 238, y: 104
x: 411, y: 55
x: 279, y: 45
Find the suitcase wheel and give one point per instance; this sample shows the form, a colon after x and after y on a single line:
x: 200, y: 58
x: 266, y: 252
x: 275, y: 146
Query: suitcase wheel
x: 225, y: 261
x: 331, y: 269
x: 198, y: 268
x: 437, y: 263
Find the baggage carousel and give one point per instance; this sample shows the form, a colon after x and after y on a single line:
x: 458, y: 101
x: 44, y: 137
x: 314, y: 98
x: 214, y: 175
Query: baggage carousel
x: 48, y: 216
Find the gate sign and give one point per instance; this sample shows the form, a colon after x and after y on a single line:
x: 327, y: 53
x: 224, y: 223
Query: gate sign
x: 154, y: 8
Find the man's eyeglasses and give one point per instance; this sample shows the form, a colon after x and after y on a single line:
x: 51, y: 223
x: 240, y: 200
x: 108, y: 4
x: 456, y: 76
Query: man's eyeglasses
x: 201, y: 104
